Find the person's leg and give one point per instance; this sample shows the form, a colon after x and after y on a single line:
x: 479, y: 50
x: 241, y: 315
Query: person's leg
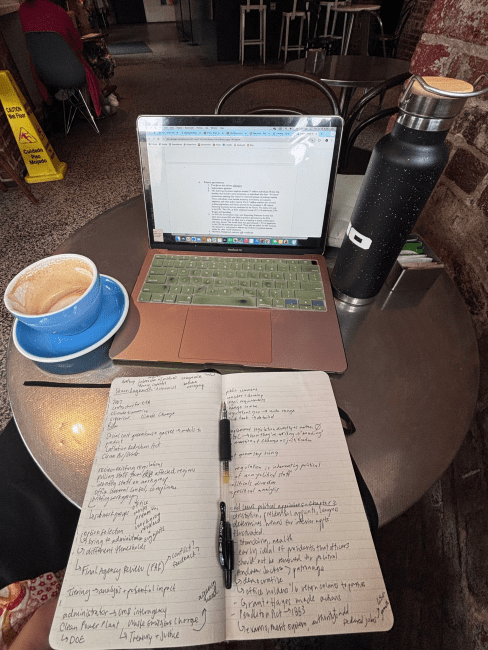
x: 35, y: 633
x: 37, y: 523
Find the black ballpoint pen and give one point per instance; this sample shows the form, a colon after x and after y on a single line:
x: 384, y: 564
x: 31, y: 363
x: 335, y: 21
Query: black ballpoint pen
x: 226, y: 545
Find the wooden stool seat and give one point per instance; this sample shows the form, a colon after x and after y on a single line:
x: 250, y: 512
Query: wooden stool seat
x: 350, y: 9
x: 350, y: 12
x: 328, y: 4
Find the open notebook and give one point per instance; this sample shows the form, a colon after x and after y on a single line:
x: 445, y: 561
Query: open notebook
x: 237, y: 212
x: 144, y: 569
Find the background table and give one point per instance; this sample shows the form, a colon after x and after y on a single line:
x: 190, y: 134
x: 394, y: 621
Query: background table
x: 410, y: 387
x: 348, y: 72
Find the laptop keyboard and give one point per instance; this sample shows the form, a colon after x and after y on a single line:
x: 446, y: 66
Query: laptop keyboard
x: 234, y: 282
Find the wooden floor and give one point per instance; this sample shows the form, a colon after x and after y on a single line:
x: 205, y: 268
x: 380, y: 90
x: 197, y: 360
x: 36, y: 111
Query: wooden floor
x: 435, y: 556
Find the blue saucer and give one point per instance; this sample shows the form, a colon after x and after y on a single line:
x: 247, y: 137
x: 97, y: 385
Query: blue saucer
x: 56, y: 347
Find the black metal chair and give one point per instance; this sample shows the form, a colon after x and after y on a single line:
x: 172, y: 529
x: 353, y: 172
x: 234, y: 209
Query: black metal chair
x: 281, y: 77
x: 58, y: 67
x: 351, y: 132
x: 390, y: 41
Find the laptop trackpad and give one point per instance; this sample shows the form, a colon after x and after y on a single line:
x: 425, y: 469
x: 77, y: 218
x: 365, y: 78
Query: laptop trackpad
x: 237, y: 335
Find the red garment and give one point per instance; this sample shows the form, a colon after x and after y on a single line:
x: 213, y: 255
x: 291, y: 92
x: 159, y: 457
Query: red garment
x: 45, y: 16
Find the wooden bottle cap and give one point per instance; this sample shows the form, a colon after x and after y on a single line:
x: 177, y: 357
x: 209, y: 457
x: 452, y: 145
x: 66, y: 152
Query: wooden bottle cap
x: 442, y: 83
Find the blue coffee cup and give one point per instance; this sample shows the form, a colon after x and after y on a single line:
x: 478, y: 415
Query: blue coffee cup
x: 54, y: 281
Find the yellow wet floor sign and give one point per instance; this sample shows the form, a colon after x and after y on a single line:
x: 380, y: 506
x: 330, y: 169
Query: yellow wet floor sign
x: 39, y: 157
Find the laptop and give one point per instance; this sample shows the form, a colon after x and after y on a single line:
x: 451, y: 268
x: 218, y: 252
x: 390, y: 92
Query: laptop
x: 237, y: 213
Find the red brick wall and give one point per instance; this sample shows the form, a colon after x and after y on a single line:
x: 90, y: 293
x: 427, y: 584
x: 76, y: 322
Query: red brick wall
x: 455, y: 220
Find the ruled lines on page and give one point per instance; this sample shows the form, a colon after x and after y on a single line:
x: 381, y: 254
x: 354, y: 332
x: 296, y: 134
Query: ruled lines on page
x: 305, y: 559
x: 143, y: 570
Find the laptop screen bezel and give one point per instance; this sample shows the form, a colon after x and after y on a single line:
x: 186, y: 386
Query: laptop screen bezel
x: 326, y: 121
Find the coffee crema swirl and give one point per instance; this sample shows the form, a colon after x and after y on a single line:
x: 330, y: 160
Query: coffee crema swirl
x: 51, y: 287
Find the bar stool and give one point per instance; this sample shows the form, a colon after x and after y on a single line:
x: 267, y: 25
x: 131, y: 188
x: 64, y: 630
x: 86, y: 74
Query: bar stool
x: 328, y: 4
x: 350, y: 12
x: 329, y: 38
x: 261, y: 41
x: 286, y: 18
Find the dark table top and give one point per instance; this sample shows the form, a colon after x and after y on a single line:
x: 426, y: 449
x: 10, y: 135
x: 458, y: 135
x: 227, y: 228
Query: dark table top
x: 410, y: 387
x: 349, y: 70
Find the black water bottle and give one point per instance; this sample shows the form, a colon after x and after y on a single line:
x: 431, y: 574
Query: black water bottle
x: 405, y: 166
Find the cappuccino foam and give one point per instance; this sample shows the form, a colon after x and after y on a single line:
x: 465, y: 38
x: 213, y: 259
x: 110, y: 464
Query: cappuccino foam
x: 51, y: 287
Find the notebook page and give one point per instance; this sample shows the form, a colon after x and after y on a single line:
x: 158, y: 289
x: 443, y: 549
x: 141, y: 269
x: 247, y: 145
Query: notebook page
x: 143, y: 570
x: 306, y: 563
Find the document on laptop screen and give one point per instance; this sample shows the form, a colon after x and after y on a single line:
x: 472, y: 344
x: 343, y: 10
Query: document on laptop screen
x: 262, y: 182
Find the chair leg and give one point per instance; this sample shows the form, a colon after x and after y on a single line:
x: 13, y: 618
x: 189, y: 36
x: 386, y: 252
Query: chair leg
x: 242, y: 31
x: 72, y: 108
x: 281, y: 36
x: 349, y: 32
x: 377, y: 16
x: 317, y: 21
x: 287, y: 33
x: 86, y: 111
x: 260, y: 34
x: 302, y: 20
x: 334, y: 21
x: 64, y: 119
x: 264, y: 35
x: 240, y: 38
x: 71, y: 115
x: 327, y: 18
x: 344, y: 29
x: 68, y: 120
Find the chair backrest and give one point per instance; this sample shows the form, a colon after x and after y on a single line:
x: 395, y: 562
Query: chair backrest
x: 55, y: 63
x: 350, y: 134
x: 405, y: 13
x: 263, y: 93
x: 408, y: 7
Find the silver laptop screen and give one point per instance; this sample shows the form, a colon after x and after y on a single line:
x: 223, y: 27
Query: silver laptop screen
x: 246, y: 185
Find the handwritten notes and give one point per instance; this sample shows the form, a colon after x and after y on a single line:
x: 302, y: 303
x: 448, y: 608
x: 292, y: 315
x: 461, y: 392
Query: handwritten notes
x: 306, y: 561
x: 143, y: 570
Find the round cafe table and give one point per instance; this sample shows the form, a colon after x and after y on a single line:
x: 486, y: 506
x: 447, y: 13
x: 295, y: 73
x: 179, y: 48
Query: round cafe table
x: 410, y: 387
x: 348, y: 72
